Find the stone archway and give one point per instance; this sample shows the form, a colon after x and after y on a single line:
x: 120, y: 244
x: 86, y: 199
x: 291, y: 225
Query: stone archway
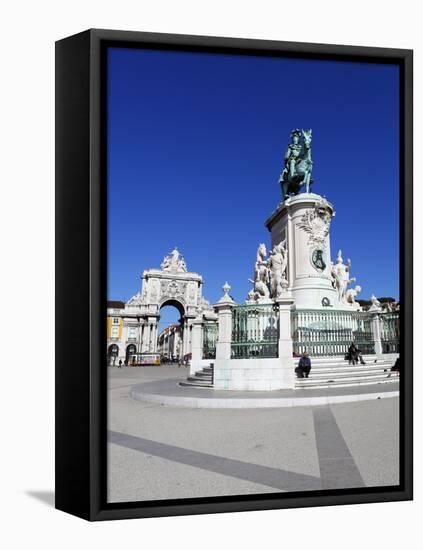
x: 172, y: 284
x: 131, y: 349
x: 172, y: 339
x: 112, y: 354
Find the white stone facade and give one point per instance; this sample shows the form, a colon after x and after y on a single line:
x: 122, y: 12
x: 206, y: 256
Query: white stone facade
x: 172, y: 284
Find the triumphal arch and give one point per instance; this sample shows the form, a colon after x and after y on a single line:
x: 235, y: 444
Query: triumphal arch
x: 171, y: 284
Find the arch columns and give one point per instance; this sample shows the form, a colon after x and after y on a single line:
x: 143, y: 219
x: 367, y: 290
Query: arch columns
x: 140, y: 335
x: 185, y: 337
x: 196, y: 344
x: 145, y: 343
x: 153, y: 337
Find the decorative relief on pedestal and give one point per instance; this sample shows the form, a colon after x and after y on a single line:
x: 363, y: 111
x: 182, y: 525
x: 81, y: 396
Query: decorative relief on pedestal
x: 316, y: 222
x: 318, y: 259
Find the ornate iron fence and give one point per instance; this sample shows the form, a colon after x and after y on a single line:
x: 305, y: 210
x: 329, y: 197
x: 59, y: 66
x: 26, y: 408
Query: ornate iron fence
x: 210, y: 334
x: 390, y: 332
x: 326, y: 333
x: 255, y: 331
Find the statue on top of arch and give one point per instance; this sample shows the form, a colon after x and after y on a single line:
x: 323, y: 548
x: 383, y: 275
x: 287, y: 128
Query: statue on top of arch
x: 174, y: 262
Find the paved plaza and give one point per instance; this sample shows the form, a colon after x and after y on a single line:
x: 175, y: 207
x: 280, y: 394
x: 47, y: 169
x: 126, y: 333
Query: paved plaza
x: 164, y: 452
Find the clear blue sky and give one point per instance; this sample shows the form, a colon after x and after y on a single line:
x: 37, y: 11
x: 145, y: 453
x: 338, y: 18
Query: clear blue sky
x: 195, y: 149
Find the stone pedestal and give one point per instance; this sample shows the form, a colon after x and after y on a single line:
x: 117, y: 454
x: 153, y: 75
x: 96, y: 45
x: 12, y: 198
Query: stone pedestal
x: 376, y: 330
x: 255, y: 374
x: 285, y: 347
x: 196, y: 345
x: 252, y: 374
x: 303, y: 221
x: 224, y: 313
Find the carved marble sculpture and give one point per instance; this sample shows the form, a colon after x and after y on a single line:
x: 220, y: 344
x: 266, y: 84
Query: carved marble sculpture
x: 261, y: 275
x: 174, y: 262
x: 375, y: 301
x: 351, y: 294
x: 269, y: 273
x: 278, y: 262
x: 298, y: 164
x: 341, y: 276
x: 316, y: 222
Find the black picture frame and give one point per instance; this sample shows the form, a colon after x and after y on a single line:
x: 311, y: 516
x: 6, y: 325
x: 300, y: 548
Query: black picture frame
x: 81, y: 249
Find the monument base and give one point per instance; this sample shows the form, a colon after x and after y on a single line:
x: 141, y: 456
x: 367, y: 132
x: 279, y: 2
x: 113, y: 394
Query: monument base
x: 254, y: 374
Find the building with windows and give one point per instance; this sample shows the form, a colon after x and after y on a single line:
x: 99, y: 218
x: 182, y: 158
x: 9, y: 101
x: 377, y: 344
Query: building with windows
x: 169, y: 344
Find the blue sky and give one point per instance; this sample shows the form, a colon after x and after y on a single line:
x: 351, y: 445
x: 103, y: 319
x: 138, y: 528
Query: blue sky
x: 195, y: 149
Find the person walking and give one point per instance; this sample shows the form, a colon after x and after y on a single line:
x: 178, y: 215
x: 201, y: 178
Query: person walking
x: 304, y: 366
x: 120, y: 363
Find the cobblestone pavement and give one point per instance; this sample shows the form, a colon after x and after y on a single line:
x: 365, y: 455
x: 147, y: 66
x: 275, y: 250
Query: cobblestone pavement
x: 158, y: 452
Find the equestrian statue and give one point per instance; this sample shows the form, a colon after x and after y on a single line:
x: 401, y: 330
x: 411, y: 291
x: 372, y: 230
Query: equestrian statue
x: 298, y: 164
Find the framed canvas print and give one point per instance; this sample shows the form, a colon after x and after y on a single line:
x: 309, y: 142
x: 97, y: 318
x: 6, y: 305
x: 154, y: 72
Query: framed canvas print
x: 234, y: 274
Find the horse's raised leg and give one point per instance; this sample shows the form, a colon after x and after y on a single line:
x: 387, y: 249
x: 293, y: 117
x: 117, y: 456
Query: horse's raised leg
x: 307, y: 182
x: 285, y: 189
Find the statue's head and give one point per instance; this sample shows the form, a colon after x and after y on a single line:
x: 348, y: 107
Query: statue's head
x: 358, y: 289
x: 262, y: 250
x: 295, y: 135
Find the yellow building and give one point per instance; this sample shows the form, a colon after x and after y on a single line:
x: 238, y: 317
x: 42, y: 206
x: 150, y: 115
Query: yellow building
x: 115, y: 342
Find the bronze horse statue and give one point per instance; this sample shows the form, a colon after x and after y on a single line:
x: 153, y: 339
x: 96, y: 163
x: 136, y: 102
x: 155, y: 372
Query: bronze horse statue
x: 298, y: 164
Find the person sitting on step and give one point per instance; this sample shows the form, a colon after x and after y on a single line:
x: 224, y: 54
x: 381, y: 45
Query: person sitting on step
x: 304, y: 366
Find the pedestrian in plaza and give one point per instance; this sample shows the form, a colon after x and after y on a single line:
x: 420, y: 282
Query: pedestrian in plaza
x: 304, y: 366
x: 120, y: 363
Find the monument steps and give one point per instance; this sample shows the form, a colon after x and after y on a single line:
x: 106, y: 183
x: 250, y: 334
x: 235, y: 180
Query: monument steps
x: 352, y: 368
x: 201, y: 379
x: 204, y: 375
x: 308, y: 383
x: 325, y: 373
x: 329, y: 372
x: 338, y: 359
x: 347, y: 376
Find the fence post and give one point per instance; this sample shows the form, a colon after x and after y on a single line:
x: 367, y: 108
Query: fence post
x: 285, y: 345
x: 224, y: 313
x: 285, y: 337
x: 196, y: 344
x: 376, y: 331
